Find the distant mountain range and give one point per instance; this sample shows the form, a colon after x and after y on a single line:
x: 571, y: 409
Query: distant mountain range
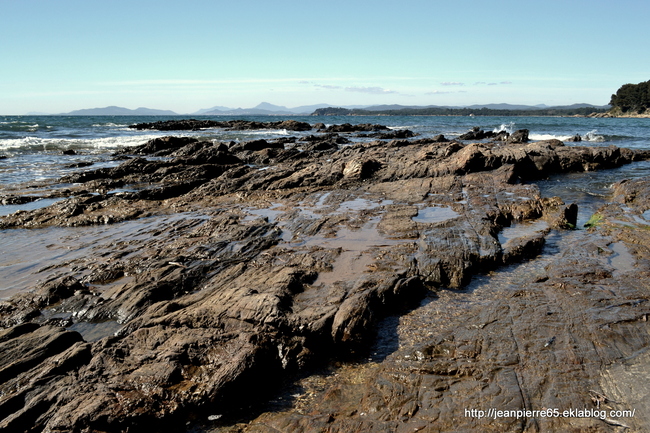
x: 266, y: 108
x: 120, y: 111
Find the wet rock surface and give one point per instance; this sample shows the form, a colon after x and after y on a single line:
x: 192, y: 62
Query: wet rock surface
x: 199, y: 274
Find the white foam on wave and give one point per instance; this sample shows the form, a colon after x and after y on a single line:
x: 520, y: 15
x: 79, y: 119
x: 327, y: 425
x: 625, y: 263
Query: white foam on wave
x: 109, y: 125
x: 593, y: 136
x: 267, y: 132
x: 393, y: 128
x: 22, y: 125
x: 541, y: 137
x: 505, y: 127
x: 37, y: 143
x: 590, y: 136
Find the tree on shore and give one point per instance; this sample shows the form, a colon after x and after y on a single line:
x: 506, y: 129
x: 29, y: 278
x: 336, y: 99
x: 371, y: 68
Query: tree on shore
x: 632, y: 98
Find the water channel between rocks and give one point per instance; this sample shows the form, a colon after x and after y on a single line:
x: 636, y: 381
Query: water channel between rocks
x: 36, y: 256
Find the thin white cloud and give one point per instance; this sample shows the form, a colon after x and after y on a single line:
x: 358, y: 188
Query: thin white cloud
x: 438, y: 92
x: 370, y: 90
x: 452, y: 83
x: 327, y: 86
x: 501, y: 83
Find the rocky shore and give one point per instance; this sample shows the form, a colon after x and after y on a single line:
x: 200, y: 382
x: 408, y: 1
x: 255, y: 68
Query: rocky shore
x: 205, y: 274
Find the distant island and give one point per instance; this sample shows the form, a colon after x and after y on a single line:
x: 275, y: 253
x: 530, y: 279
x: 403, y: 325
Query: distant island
x: 503, y: 110
x: 631, y: 100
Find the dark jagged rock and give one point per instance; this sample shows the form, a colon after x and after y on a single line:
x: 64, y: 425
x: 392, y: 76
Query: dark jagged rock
x: 519, y: 136
x: 439, y: 139
x: 575, y: 139
x: 294, y: 125
x: 475, y: 134
x: 178, y: 125
x: 392, y: 135
x: 331, y: 137
x: 17, y: 199
x: 347, y: 128
x: 80, y: 164
x: 160, y: 146
x: 256, y: 145
x: 235, y: 125
x: 323, y: 142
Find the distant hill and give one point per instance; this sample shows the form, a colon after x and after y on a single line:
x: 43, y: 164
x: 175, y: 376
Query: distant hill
x: 502, y: 106
x: 398, y: 107
x: 474, y: 110
x: 266, y: 109
x: 120, y: 111
x: 631, y: 99
x: 215, y: 108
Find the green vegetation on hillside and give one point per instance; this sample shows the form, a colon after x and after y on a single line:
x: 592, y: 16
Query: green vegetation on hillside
x: 631, y: 98
x: 441, y: 111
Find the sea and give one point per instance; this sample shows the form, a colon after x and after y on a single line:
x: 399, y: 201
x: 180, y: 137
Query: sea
x: 31, y: 147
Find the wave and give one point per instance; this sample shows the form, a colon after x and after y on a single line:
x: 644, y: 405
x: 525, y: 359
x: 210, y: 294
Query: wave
x: 542, y: 137
x: 505, y: 127
x: 266, y: 132
x: 18, y: 126
x: 110, y: 125
x: 590, y: 136
x: 45, y: 144
x: 395, y: 128
x: 593, y: 136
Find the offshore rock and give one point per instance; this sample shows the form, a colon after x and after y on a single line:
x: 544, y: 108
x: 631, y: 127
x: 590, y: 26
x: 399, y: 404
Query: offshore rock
x: 575, y: 139
x: 475, y: 134
x: 160, y: 146
x: 193, y: 124
x: 346, y: 127
x: 519, y: 136
x: 392, y: 135
x: 177, y: 125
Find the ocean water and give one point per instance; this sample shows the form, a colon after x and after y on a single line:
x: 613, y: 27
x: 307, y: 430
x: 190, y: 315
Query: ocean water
x: 31, y: 146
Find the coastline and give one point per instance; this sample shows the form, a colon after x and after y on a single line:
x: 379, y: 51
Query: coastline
x: 197, y: 269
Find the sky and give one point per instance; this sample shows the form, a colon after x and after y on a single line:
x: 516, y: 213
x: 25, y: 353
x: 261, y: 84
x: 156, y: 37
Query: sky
x: 63, y: 55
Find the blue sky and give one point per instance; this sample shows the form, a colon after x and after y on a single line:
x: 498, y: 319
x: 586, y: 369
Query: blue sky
x: 64, y: 55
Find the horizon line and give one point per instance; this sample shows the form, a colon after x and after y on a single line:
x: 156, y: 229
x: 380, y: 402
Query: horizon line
x: 325, y: 105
